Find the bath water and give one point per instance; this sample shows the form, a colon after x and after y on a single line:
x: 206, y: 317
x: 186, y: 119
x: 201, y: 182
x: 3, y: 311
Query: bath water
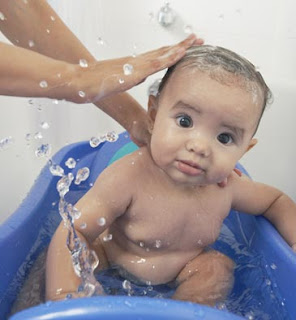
x: 255, y: 295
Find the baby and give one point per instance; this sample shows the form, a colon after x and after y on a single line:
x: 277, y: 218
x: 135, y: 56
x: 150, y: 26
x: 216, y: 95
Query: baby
x: 162, y: 204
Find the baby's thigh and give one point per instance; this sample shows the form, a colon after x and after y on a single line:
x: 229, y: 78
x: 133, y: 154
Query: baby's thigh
x: 206, y: 279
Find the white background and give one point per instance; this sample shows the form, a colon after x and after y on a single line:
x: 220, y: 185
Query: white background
x: 263, y: 31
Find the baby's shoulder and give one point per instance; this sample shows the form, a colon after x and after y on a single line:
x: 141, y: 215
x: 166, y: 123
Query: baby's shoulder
x: 131, y: 164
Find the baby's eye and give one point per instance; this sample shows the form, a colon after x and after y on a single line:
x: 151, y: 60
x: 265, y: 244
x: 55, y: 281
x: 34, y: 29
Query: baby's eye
x: 225, y: 138
x: 184, y: 121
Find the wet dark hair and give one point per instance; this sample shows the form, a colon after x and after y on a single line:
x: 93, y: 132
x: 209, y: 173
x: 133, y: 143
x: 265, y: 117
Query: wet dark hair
x: 226, y: 67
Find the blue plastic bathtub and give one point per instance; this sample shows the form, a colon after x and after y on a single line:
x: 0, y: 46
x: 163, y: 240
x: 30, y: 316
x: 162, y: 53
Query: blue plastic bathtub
x: 265, y: 282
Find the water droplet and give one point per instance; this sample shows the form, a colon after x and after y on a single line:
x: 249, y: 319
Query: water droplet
x: 158, y: 244
x: 221, y: 306
x: 64, y: 184
x: 31, y: 101
x: 101, y: 41
x: 126, y: 285
x: 82, y: 175
x: 107, y: 237
x: 221, y: 16
x: 121, y: 81
x: 43, y: 151
x: 6, y: 142
x: 142, y: 260
x: 52, y: 18
x: 38, y: 135
x: 55, y: 101
x: 273, y: 266
x: 43, y: 84
x: 166, y: 15
x: 83, y: 225
x: 249, y: 316
x: 188, y: 29
x: 70, y: 163
x: 2, y: 17
x: 268, y: 282
x: 31, y: 43
x: 81, y: 94
x: 56, y: 170
x: 153, y: 88
x: 75, y: 213
x: 101, y: 221
x: 44, y: 125
x: 128, y: 69
x: 94, y: 142
x: 141, y: 244
x: 69, y: 296
x: 47, y: 30
x: 151, y: 16
x: 28, y: 136
x: 83, y: 63
x: 111, y: 136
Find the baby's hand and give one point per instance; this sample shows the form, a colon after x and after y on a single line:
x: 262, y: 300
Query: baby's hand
x: 223, y: 183
x: 105, y: 78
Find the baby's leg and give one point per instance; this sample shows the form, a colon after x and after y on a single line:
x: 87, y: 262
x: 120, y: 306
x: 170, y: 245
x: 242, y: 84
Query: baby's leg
x: 207, y: 279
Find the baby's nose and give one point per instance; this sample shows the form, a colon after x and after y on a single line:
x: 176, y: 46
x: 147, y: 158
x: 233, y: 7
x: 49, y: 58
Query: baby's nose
x: 199, y: 145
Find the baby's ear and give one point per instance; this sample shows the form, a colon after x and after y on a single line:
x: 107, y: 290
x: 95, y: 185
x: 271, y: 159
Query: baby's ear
x: 252, y: 144
x: 152, y: 111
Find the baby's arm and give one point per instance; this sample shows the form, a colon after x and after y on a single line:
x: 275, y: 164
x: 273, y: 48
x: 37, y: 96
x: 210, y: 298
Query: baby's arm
x: 105, y: 200
x: 258, y: 198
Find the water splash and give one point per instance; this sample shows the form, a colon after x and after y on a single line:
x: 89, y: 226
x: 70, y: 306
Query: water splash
x: 38, y: 135
x: 64, y: 184
x: 6, y: 142
x: 94, y: 142
x: 101, y: 221
x: 70, y: 163
x: 166, y: 15
x: 81, y: 94
x: 43, y: 84
x: 84, y: 261
x: 56, y: 170
x: 44, y: 125
x: 188, y: 29
x: 128, y: 69
x: 83, y: 63
x: 43, y: 151
x: 111, y: 136
x: 82, y: 175
x: 31, y: 43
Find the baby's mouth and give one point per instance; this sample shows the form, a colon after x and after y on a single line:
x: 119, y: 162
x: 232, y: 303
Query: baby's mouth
x: 190, y: 168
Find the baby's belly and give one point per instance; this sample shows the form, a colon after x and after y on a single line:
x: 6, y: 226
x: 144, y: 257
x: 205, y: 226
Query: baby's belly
x: 149, y: 267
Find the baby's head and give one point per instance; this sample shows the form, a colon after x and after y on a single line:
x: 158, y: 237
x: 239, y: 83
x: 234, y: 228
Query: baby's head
x: 205, y: 114
x: 226, y: 67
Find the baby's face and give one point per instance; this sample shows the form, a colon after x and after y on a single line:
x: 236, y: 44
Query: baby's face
x: 202, y: 127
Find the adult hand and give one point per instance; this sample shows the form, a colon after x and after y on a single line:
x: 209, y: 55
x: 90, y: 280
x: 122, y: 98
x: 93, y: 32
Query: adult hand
x: 105, y: 78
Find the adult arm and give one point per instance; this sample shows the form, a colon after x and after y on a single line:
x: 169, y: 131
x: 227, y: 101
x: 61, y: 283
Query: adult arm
x: 35, y: 25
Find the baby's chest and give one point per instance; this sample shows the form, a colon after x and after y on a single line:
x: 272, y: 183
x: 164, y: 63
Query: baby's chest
x: 155, y: 220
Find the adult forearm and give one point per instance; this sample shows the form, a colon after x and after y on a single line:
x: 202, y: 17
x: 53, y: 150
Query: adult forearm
x: 35, y: 25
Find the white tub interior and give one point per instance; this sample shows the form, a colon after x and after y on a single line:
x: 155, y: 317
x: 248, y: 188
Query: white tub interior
x: 264, y: 32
